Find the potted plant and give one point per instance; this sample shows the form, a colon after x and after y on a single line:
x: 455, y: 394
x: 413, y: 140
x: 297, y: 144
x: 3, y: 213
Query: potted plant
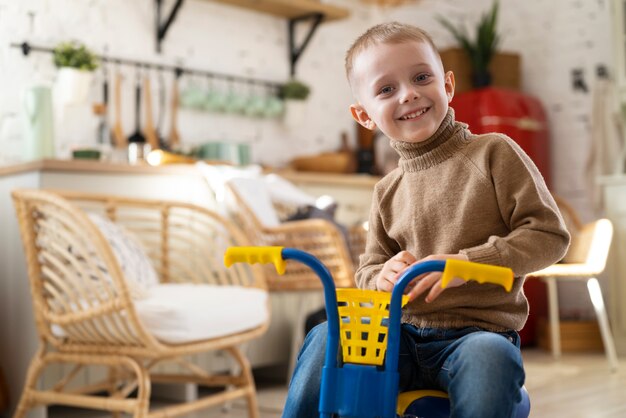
x: 294, y: 93
x: 483, y: 48
x: 76, y: 64
x: 294, y: 90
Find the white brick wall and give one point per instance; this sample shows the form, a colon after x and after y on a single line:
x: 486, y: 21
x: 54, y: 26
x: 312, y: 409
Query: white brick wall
x: 552, y: 37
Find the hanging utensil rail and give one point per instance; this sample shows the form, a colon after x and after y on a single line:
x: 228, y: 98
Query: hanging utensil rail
x: 178, y: 70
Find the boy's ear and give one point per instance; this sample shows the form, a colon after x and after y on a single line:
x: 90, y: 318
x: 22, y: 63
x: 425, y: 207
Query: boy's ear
x: 360, y: 115
x: 449, y: 85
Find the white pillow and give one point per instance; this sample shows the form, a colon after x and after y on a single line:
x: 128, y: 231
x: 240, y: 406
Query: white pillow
x: 255, y: 194
x: 218, y: 175
x: 130, y: 255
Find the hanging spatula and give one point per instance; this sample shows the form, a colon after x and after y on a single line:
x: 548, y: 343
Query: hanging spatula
x: 174, y: 136
x: 149, y: 131
x: 117, y: 132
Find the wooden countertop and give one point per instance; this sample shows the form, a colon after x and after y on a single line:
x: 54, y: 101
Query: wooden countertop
x: 86, y: 166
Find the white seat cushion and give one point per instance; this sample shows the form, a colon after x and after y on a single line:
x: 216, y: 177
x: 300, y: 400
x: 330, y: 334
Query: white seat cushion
x: 181, y: 313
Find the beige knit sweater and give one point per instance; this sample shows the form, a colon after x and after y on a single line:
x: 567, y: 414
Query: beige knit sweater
x: 479, y: 195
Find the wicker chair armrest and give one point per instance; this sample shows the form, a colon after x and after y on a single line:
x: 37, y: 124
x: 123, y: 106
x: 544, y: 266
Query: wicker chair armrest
x: 305, y: 225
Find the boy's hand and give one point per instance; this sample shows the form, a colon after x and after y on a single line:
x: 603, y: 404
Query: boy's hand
x: 388, y: 276
x: 432, y: 280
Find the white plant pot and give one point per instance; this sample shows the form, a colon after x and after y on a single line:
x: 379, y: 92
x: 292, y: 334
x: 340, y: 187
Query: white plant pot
x: 72, y: 85
x: 295, y: 112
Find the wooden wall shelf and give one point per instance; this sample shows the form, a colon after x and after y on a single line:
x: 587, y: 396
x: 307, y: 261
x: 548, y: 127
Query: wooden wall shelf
x: 291, y: 9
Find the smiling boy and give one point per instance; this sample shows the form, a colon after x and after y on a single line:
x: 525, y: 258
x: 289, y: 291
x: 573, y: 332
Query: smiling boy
x: 454, y: 195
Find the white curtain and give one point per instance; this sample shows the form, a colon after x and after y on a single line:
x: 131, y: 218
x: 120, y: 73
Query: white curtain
x: 608, y: 145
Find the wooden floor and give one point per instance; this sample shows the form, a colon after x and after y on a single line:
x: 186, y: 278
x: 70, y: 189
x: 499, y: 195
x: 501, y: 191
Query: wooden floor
x: 577, y: 386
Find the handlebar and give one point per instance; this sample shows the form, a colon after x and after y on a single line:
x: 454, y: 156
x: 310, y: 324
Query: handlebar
x: 451, y: 268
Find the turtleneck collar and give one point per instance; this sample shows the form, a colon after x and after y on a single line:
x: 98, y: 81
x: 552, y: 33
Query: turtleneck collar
x: 449, y: 137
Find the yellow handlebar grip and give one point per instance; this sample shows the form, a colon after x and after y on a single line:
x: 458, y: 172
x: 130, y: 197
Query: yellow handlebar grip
x: 253, y: 255
x: 482, y: 273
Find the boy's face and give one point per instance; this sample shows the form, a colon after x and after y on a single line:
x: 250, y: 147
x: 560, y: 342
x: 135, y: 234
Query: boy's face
x: 402, y: 89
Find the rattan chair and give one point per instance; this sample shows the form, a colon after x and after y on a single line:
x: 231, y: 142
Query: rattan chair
x: 319, y: 237
x: 85, y: 314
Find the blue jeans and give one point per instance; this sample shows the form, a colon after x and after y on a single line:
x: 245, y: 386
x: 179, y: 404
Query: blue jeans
x: 481, y: 371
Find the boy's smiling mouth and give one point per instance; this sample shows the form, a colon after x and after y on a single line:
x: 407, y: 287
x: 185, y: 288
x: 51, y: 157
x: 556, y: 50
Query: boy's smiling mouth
x: 414, y: 114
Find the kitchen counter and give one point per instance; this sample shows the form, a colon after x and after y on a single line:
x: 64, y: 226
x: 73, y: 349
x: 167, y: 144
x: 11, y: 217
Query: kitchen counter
x: 185, y: 182
x: 87, y: 166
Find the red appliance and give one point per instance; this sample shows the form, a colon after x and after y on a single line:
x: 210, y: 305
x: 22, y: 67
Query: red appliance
x: 523, y: 119
x: 512, y: 113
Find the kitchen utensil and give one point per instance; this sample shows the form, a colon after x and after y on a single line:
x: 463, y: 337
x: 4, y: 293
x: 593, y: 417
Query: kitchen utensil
x: 149, y: 131
x: 117, y: 132
x: 137, y: 146
x: 102, y: 110
x: 162, y: 108
x: 174, y: 136
x: 137, y: 136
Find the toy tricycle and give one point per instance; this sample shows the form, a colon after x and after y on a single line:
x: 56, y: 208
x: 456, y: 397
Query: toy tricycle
x: 366, y: 324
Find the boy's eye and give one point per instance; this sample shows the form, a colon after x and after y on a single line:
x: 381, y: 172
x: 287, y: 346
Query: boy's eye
x: 385, y: 90
x: 422, y: 77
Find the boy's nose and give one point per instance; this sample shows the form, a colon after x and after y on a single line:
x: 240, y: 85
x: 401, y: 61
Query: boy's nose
x: 409, y: 94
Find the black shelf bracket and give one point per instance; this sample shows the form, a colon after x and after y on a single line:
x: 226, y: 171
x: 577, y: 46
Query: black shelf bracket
x: 162, y: 26
x: 296, y: 51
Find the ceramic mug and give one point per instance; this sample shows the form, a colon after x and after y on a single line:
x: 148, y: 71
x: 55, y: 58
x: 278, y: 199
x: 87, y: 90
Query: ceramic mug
x: 192, y: 97
x: 255, y: 106
x: 235, y: 103
x: 215, y: 101
x: 243, y: 151
x: 238, y: 154
x: 209, y: 151
x: 274, y: 107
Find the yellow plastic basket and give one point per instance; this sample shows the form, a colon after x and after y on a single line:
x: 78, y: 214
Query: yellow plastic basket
x: 362, y: 331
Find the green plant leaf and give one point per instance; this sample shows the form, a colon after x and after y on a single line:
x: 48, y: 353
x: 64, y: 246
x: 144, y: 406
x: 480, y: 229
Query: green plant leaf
x: 295, y: 90
x: 74, y: 55
x: 487, y: 40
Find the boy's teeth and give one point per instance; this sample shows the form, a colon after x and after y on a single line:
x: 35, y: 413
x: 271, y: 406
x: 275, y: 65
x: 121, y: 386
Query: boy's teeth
x: 414, y: 115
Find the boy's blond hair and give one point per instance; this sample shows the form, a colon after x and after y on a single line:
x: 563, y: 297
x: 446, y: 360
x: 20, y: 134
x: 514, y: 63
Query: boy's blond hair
x: 392, y: 32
